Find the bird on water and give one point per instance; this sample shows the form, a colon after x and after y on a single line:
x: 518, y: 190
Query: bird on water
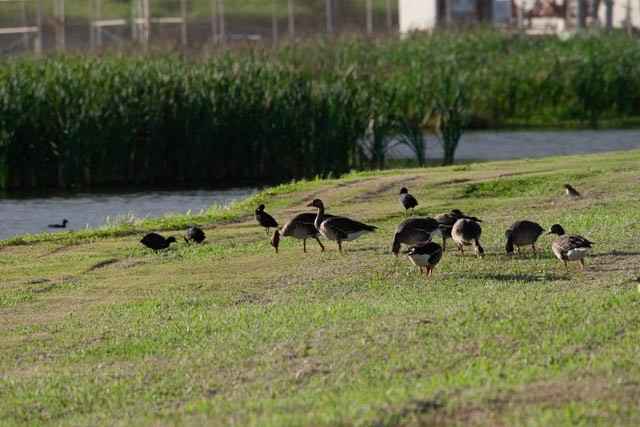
x: 194, y: 234
x: 264, y: 219
x: 63, y: 225
x: 156, y: 242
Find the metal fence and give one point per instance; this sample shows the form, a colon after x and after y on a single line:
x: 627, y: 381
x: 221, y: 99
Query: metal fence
x: 46, y: 25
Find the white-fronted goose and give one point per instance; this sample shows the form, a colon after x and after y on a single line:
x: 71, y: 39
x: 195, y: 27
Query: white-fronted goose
x: 448, y: 219
x: 413, y: 232
x: 194, y: 234
x: 571, y: 192
x: 300, y: 227
x: 407, y: 200
x: 426, y: 256
x: 466, y: 232
x: 522, y: 233
x: 264, y: 219
x: 156, y: 242
x: 338, y: 228
x: 568, y: 247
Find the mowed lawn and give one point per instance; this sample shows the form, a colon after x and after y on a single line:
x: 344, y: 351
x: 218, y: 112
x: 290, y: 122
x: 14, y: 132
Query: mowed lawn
x: 96, y: 329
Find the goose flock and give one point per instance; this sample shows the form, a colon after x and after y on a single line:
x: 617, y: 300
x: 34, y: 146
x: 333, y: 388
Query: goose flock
x: 416, y: 233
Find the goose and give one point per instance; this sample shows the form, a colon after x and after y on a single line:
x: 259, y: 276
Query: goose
x: 414, y: 231
x: 407, y: 200
x: 448, y: 219
x: 63, y: 225
x: 194, y: 234
x: 338, y: 228
x: 426, y: 256
x: 466, y: 232
x: 300, y: 227
x: 156, y: 242
x: 522, y: 233
x: 264, y: 219
x: 571, y: 192
x: 568, y: 247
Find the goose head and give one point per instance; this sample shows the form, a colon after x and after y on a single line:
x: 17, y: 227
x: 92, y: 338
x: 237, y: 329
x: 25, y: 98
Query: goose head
x: 316, y: 203
x: 556, y: 229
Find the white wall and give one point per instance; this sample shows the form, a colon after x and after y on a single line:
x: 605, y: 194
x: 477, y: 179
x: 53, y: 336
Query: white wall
x: 620, y: 13
x: 416, y: 15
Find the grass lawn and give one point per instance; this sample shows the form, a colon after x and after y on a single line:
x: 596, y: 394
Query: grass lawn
x: 95, y: 329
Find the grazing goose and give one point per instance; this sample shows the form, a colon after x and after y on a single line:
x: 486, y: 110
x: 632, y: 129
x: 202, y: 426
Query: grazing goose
x: 466, y: 232
x: 156, y: 242
x: 522, y: 233
x: 448, y: 219
x: 300, y: 227
x: 571, y: 192
x: 568, y: 247
x: 194, y: 234
x: 426, y: 256
x: 264, y: 219
x: 338, y: 228
x: 63, y: 225
x: 414, y: 231
x: 407, y: 200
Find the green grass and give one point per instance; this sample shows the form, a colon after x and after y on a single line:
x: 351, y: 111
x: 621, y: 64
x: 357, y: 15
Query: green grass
x: 95, y: 329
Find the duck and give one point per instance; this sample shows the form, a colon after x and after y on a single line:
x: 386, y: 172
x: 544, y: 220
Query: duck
x: 571, y: 192
x: 338, y: 228
x: 569, y: 247
x: 425, y: 256
x: 264, y: 219
x: 448, y: 219
x: 156, y: 242
x: 194, y: 234
x: 523, y: 233
x: 300, y: 227
x: 466, y: 232
x: 414, y: 231
x: 407, y: 200
x: 63, y: 225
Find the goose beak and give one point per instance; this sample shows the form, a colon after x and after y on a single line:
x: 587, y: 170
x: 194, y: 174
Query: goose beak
x: 548, y: 232
x: 310, y: 205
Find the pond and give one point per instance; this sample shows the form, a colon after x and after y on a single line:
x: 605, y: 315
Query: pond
x: 31, y: 215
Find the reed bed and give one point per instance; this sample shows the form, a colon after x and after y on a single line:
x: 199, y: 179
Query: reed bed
x: 301, y: 111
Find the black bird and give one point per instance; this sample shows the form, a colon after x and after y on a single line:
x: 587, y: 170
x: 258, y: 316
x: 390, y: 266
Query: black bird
x: 571, y: 192
x: 407, y: 200
x: 63, y: 225
x: 426, y: 256
x: 156, y: 242
x: 264, y: 219
x: 194, y: 234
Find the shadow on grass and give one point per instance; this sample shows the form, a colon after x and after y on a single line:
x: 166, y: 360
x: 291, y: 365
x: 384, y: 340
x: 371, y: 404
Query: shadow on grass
x: 518, y: 277
x: 416, y: 407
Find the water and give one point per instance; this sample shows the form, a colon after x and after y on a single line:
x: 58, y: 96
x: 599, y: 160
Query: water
x: 492, y: 145
x: 19, y: 216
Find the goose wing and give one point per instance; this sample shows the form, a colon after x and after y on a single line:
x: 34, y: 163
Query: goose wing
x: 343, y: 226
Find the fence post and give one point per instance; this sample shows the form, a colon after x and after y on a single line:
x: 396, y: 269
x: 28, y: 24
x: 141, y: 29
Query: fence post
x: 608, y: 15
x: 274, y: 23
x: 291, y: 24
x: 37, y: 46
x: 183, y: 14
x: 330, y: 10
x: 369, y: 17
x: 389, y: 18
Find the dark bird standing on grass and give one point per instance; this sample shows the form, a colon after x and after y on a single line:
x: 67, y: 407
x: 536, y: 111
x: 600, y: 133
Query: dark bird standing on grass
x: 426, y: 256
x: 338, y: 228
x: 194, y: 234
x: 300, y: 227
x: 407, y: 200
x: 413, y: 232
x: 156, y: 242
x: 571, y: 192
x: 466, y: 232
x: 63, y: 225
x: 522, y: 233
x: 264, y: 219
x: 448, y: 219
x: 568, y: 247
